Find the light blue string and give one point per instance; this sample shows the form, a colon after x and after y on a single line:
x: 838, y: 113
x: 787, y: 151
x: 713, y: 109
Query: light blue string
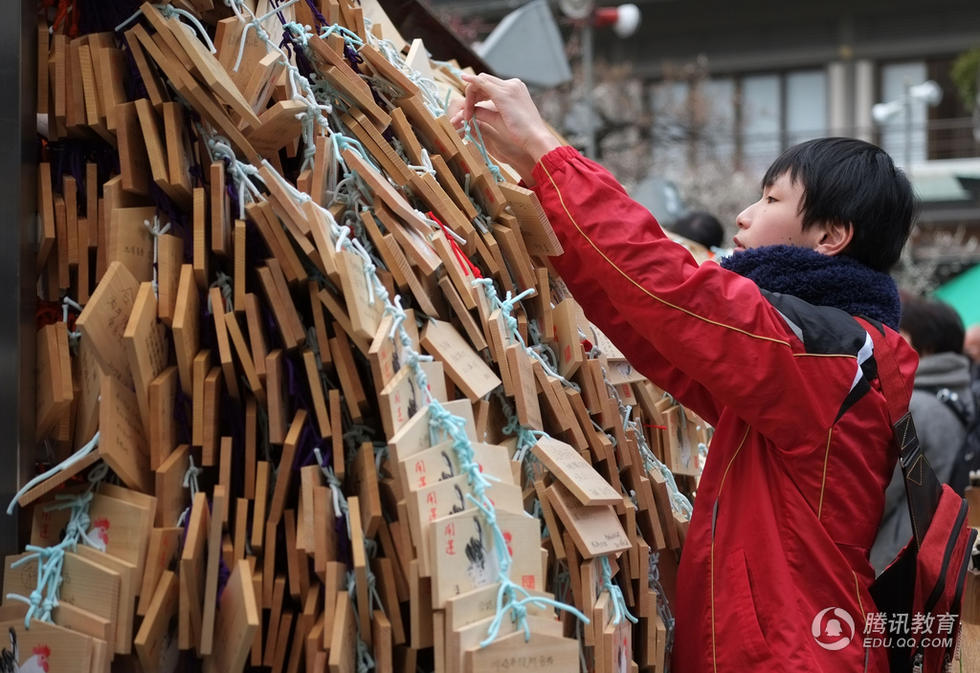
x: 663, y: 608
x: 678, y: 502
x: 480, y: 145
x: 351, y: 39
x: 427, y: 87
x: 63, y: 465
x: 506, y: 307
x: 44, y: 599
x: 615, y: 593
x: 66, y: 303
x: 156, y: 231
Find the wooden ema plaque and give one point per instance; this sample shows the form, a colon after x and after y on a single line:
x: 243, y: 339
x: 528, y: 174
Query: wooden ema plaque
x: 103, y: 322
x: 595, y: 529
x: 465, y: 554
x: 575, y: 473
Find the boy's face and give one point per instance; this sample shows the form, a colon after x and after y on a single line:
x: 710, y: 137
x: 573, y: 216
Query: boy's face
x: 776, y: 218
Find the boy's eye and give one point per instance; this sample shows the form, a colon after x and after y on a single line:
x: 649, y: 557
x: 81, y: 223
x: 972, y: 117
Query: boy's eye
x: 770, y: 199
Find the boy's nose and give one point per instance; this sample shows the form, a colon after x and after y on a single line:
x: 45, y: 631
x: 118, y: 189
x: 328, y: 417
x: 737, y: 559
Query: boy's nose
x: 742, y: 221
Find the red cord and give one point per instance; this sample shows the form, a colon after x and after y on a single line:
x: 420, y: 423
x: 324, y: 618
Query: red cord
x: 464, y: 261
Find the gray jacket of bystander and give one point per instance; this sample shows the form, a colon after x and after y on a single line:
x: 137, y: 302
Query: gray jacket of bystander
x: 940, y: 434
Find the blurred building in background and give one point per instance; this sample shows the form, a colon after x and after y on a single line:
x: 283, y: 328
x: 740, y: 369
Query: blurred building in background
x: 710, y: 91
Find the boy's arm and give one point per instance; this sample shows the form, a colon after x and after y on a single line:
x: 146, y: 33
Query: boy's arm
x: 641, y: 354
x: 714, y: 326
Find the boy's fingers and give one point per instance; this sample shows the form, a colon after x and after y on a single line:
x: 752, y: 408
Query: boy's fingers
x: 482, y: 87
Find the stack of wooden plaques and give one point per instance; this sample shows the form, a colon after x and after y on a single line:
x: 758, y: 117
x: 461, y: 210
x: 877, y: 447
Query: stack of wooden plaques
x: 235, y: 227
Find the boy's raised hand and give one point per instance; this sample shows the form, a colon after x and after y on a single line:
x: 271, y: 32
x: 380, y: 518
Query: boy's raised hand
x: 509, y: 122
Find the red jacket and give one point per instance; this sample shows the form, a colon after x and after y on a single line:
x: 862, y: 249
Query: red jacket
x: 793, y: 489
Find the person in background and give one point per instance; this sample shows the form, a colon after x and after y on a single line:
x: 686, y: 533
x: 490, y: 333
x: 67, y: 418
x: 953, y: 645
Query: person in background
x: 935, y: 331
x: 971, y: 343
x: 971, y: 348
x: 700, y: 227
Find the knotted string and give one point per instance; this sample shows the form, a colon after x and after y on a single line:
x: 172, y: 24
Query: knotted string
x: 224, y: 283
x: 190, y: 483
x: 615, y: 593
x: 477, y: 140
x: 69, y: 303
x: 156, y: 231
x: 50, y: 560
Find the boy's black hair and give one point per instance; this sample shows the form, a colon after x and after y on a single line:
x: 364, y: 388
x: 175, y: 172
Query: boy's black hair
x: 701, y: 227
x: 853, y: 182
x: 933, y: 326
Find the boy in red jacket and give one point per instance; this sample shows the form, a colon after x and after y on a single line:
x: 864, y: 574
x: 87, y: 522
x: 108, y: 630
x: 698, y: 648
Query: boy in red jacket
x: 774, y: 574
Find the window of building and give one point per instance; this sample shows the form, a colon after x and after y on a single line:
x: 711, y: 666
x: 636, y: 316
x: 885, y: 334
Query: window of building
x: 904, y: 135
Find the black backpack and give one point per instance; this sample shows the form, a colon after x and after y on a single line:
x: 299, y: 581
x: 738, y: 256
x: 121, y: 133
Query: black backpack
x: 968, y: 456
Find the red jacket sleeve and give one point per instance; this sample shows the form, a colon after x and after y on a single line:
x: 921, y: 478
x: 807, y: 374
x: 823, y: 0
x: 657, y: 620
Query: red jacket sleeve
x: 713, y: 326
x: 605, y: 315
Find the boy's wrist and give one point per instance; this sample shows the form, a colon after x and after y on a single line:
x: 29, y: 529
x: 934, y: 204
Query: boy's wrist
x: 540, y: 145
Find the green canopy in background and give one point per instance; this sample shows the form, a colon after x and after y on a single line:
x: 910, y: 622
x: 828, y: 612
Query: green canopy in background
x: 963, y: 294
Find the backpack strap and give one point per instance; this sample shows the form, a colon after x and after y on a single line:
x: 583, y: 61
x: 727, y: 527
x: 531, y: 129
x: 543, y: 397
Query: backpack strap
x: 921, y: 484
x: 953, y: 402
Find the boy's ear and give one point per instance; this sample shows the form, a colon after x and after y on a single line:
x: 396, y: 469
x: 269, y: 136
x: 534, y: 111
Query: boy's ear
x: 834, y: 237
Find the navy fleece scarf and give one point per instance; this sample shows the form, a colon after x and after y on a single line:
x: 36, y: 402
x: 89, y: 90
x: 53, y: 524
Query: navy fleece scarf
x: 821, y: 280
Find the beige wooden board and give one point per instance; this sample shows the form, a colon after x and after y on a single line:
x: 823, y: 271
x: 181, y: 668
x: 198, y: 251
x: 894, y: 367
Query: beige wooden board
x: 363, y: 306
x: 170, y: 254
x: 186, y: 326
x: 199, y: 232
x: 238, y: 620
x: 387, y: 352
x: 219, y: 513
x: 172, y: 497
x: 191, y: 574
x: 575, y: 473
x: 162, y: 553
x: 146, y: 347
x: 133, y: 164
x: 178, y: 159
x: 200, y: 367
x: 480, y: 604
x: 449, y: 496
x: 217, y: 305
x: 539, y: 237
x: 241, y: 348
x: 162, y: 431
x: 47, y: 647
x: 284, y: 472
x: 383, y: 190
x: 471, y: 635
x: 103, y: 321
x: 52, y: 405
x: 595, y: 529
x: 441, y: 462
x: 130, y: 241
x: 399, y: 400
x: 84, y: 583
x: 414, y: 436
x: 128, y: 586
x: 464, y: 366
x: 525, y: 391
x: 122, y: 443
x: 465, y: 557
x: 543, y: 653
x: 156, y: 641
